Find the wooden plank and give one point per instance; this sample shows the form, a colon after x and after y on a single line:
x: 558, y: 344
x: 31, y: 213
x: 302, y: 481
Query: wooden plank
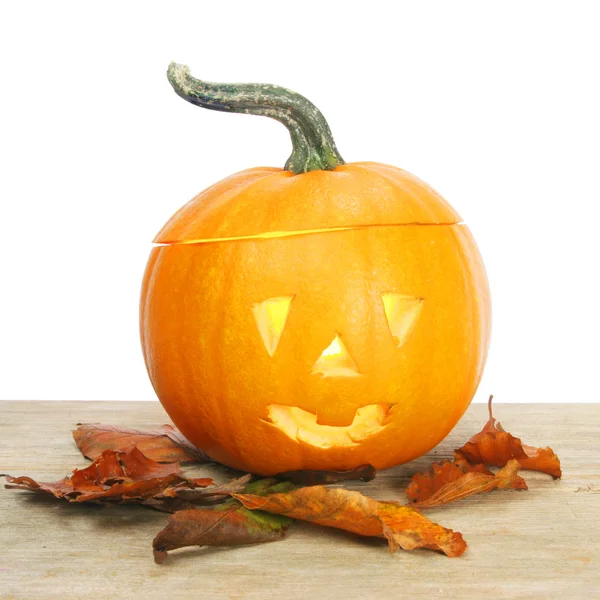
x: 543, y: 543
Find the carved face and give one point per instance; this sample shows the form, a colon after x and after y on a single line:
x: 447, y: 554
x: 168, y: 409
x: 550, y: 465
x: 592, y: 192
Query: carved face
x: 325, y: 350
x: 334, y: 362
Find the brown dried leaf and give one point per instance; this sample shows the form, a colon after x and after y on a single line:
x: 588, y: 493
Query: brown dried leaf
x: 59, y: 489
x: 403, y: 526
x: 208, y: 495
x: 363, y: 472
x: 229, y: 524
x: 226, y: 525
x: 495, y: 446
x: 113, y: 477
x: 451, y: 481
x: 182, y: 496
x: 166, y: 504
x: 165, y: 444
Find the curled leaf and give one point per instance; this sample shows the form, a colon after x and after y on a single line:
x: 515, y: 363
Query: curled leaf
x: 407, y: 528
x: 59, y: 489
x: 165, y: 444
x: 451, y: 481
x: 183, y: 496
x: 425, y: 485
x: 208, y: 495
x: 403, y: 526
x: 362, y: 472
x: 495, y: 446
x: 228, y: 524
x: 113, y: 477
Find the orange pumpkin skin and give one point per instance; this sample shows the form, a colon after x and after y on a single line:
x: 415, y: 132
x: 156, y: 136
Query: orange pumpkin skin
x: 335, y: 245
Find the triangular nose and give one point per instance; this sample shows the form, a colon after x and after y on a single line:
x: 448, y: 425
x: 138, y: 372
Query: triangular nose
x: 335, y: 361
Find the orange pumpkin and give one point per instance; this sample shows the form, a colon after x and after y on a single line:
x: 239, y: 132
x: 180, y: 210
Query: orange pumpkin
x: 318, y: 317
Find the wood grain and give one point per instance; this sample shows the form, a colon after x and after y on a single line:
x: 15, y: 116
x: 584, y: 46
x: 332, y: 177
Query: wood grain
x: 543, y: 543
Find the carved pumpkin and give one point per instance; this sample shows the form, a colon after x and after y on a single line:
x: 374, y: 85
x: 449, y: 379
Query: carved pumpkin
x: 317, y: 317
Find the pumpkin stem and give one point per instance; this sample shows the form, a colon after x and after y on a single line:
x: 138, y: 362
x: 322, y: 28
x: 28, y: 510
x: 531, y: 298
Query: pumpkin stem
x: 312, y: 142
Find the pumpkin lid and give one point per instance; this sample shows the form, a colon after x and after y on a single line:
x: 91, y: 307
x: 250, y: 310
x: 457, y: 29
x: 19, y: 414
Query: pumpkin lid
x: 315, y: 192
x: 267, y: 202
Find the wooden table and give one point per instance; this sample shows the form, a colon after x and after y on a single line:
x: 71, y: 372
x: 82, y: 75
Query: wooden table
x: 543, y: 543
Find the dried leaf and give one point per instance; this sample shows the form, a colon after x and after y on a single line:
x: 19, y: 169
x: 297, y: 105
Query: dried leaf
x: 183, y: 496
x: 166, y: 504
x: 208, y: 495
x: 451, y: 481
x: 541, y: 459
x: 176, y: 498
x: 363, y: 472
x: 407, y: 528
x: 403, y: 526
x: 59, y: 489
x: 495, y: 446
x: 229, y: 524
x: 113, y: 477
x: 165, y: 444
x: 425, y: 485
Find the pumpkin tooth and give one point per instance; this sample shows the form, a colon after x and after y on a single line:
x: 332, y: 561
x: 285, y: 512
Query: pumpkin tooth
x: 325, y: 439
x: 338, y: 416
x: 368, y: 421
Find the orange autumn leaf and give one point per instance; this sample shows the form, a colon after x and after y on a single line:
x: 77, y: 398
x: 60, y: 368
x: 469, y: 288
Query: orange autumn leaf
x: 495, y: 446
x: 425, y: 485
x: 451, y: 481
x: 402, y: 526
x: 165, y: 444
x: 112, y: 477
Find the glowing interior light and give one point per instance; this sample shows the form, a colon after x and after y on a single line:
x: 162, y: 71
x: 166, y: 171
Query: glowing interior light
x: 335, y: 361
x: 271, y: 315
x: 401, y: 312
x: 334, y: 349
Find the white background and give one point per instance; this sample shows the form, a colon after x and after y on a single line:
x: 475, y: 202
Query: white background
x: 496, y: 105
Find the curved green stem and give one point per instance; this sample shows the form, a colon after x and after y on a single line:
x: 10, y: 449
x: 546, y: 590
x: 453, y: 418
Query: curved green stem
x: 312, y: 142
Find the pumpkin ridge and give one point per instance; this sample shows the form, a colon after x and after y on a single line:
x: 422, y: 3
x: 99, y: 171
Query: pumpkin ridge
x: 212, y: 194
x: 387, y: 172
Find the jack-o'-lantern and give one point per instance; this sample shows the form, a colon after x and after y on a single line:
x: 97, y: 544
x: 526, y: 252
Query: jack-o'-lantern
x: 321, y: 316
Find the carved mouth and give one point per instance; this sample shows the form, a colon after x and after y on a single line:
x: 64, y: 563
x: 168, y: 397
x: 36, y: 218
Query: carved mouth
x: 301, y: 425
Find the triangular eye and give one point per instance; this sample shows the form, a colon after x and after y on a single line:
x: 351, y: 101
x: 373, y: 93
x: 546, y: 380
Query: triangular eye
x: 335, y: 361
x: 401, y: 312
x: 271, y: 315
